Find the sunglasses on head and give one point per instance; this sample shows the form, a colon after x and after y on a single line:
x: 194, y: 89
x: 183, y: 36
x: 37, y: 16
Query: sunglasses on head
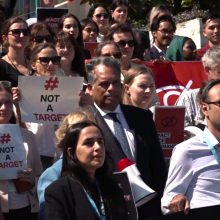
x: 40, y: 39
x: 46, y: 60
x: 17, y: 32
x: 106, y: 16
x: 5, y: 84
x: 116, y: 55
x: 123, y: 43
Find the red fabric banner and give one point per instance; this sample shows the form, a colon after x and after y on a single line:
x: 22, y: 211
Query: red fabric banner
x: 174, y: 78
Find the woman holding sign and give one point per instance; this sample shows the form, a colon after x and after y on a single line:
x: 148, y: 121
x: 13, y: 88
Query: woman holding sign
x: 87, y: 180
x: 18, y: 197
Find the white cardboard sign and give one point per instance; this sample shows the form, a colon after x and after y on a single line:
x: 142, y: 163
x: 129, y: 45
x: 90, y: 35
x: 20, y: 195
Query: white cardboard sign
x: 47, y: 100
x: 12, y: 152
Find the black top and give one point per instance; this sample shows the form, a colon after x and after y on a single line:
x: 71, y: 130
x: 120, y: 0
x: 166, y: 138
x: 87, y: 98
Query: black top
x: 87, y: 54
x: 66, y: 200
x: 9, y: 73
x: 9, y: 7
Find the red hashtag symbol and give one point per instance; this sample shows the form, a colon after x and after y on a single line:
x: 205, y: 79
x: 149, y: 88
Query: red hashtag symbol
x: 51, y: 84
x: 5, y: 138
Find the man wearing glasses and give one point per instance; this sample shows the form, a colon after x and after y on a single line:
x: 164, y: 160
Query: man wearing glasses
x: 194, y: 173
x: 162, y: 29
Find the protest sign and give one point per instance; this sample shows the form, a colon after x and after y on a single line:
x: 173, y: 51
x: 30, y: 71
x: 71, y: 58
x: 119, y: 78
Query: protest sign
x: 91, y: 46
x: 12, y: 152
x: 124, y: 184
x: 173, y: 79
x: 169, y: 122
x: 51, y: 16
x: 48, y: 99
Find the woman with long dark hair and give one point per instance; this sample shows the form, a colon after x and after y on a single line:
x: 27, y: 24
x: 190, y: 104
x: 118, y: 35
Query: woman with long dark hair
x: 119, y: 11
x: 72, y: 62
x: 86, y: 179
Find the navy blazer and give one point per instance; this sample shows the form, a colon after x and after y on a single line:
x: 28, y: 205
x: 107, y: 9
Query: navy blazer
x: 148, y: 153
x: 152, y: 54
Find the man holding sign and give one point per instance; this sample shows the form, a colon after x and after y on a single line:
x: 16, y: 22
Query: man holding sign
x: 20, y: 165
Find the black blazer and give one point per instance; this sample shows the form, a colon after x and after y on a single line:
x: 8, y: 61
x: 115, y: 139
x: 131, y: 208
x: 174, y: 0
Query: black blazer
x: 148, y: 153
x: 66, y: 200
x: 152, y: 54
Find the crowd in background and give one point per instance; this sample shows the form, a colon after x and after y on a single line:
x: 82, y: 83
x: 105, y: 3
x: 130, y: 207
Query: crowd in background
x: 70, y: 167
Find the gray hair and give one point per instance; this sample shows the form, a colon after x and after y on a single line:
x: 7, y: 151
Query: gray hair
x: 211, y: 58
x: 105, y: 61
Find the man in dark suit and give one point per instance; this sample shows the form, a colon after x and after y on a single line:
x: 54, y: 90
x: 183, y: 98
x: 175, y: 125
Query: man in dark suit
x: 128, y: 131
x: 162, y: 29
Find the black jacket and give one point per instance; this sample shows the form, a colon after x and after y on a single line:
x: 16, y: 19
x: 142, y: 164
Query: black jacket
x: 9, y: 7
x: 66, y: 200
x: 152, y: 54
x: 149, y: 157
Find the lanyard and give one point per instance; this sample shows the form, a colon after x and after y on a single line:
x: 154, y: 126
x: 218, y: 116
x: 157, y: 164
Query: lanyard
x: 101, y: 217
x: 212, y: 149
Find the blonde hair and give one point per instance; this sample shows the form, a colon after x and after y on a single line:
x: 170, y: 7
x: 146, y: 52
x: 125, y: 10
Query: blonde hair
x: 72, y: 118
x: 129, y: 79
x: 156, y: 11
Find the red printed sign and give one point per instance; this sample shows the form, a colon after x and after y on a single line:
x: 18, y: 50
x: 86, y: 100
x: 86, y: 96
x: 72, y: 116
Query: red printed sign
x: 174, y: 78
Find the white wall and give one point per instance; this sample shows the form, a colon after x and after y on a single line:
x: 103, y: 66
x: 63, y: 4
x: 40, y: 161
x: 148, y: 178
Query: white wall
x: 80, y: 11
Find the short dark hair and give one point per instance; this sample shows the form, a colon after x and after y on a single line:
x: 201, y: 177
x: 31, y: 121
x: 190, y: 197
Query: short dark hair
x: 93, y: 8
x: 211, y: 83
x: 87, y: 21
x: 69, y: 15
x: 156, y: 22
x: 118, y: 3
x: 101, y: 45
x: 210, y: 16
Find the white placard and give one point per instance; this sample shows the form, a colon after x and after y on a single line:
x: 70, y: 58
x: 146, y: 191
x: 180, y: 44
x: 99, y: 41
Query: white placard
x: 12, y: 152
x: 47, y: 100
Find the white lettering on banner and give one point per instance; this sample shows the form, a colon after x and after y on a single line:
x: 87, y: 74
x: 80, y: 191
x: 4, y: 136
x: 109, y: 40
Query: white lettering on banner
x: 12, y: 151
x: 162, y: 139
x: 172, y: 87
x: 48, y: 99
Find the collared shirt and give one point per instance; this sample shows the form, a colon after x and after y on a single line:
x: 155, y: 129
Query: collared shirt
x: 160, y: 52
x: 201, y: 52
x: 121, y: 118
x: 193, y: 114
x: 194, y: 172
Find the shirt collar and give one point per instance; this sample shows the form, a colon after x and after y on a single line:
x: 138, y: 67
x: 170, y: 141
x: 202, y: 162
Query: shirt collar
x: 211, y: 137
x: 104, y: 112
x: 159, y: 50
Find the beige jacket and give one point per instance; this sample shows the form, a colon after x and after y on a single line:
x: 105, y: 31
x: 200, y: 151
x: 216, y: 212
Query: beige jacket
x: 34, y: 162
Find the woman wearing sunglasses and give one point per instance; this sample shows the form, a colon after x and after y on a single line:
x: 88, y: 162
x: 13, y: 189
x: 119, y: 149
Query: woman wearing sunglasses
x: 70, y: 23
x: 15, y: 36
x: 72, y: 62
x: 119, y: 11
x: 123, y: 35
x: 45, y: 62
x: 100, y: 15
x: 90, y: 30
x: 18, y: 198
x: 40, y: 33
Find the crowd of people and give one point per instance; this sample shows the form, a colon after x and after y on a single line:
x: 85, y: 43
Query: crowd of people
x: 70, y: 166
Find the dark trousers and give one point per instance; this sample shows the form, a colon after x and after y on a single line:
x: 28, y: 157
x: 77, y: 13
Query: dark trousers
x: 46, y: 161
x: 20, y: 214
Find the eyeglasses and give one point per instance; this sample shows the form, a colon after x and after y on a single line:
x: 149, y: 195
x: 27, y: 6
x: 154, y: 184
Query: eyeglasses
x: 214, y: 103
x: 17, y: 32
x: 90, y: 30
x: 116, y: 55
x: 5, y: 84
x: 46, y: 60
x: 39, y: 39
x: 123, y: 43
x: 166, y: 32
x: 105, y: 16
x: 63, y: 48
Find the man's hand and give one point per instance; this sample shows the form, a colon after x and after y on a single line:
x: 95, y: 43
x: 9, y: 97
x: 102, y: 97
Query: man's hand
x: 179, y: 203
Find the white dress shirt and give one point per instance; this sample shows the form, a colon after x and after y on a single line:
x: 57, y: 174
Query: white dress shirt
x: 121, y: 118
x: 194, y: 172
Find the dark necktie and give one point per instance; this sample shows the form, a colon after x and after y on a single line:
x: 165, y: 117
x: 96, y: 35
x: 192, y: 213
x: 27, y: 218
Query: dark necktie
x: 121, y: 136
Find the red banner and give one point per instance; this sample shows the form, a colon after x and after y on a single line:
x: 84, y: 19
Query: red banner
x: 174, y: 78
